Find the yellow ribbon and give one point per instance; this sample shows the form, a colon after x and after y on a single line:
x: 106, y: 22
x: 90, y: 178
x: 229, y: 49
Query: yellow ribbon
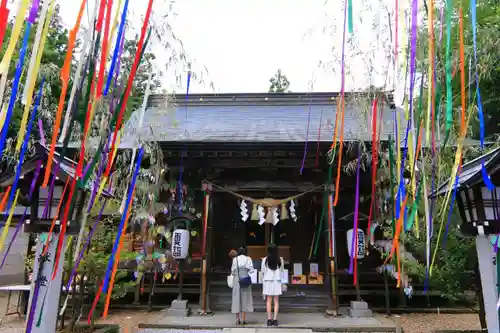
x: 6, y: 227
x: 18, y: 25
x: 2, y: 115
x: 444, y: 207
x: 115, y: 24
x: 105, y: 179
x: 32, y: 76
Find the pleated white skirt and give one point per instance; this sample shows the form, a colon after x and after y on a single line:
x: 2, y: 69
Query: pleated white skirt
x: 271, y: 288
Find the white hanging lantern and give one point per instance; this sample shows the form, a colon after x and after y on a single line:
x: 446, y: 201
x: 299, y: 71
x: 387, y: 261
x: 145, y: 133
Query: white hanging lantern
x: 360, y: 243
x: 180, y: 244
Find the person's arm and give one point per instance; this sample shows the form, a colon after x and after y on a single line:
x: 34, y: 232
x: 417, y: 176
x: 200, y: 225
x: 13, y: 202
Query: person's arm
x: 234, y: 267
x: 250, y: 265
x: 282, y: 266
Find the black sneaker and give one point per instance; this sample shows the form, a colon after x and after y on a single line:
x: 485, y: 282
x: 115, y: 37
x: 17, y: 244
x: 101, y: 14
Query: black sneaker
x: 275, y: 322
x: 270, y: 322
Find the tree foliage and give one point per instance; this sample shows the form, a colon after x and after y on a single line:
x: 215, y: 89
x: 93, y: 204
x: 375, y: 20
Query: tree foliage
x: 279, y: 83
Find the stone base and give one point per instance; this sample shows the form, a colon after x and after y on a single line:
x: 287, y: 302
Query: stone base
x: 178, y: 308
x: 359, y: 310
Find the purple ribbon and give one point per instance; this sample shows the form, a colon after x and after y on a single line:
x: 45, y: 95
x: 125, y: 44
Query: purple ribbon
x: 42, y: 132
x: 356, y: 214
x: 80, y: 255
x: 307, y: 139
x: 51, y: 191
x: 33, y: 11
x: 20, y: 224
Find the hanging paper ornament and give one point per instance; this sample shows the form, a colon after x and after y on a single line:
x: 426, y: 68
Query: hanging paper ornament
x: 284, y: 212
x: 292, y: 211
x: 262, y: 215
x: 275, y: 218
x: 255, y: 213
x: 244, y: 211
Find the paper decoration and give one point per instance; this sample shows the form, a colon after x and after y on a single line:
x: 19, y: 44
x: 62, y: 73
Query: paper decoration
x: 180, y: 244
x: 262, y: 215
x: 255, y: 213
x: 297, y: 269
x: 274, y: 217
x: 244, y: 211
x: 284, y: 277
x: 313, y: 269
x: 292, y: 211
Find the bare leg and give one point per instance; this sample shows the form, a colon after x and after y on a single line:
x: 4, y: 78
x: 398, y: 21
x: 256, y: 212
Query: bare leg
x: 237, y: 318
x: 269, y: 300
x: 243, y: 317
x: 276, y: 306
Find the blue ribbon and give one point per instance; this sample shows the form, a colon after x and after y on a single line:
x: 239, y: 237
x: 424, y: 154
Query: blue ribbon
x: 15, y: 88
x: 486, y: 177
x: 121, y: 29
x: 122, y: 222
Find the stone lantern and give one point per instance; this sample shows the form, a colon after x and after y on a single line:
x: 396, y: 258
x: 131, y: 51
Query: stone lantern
x: 479, y: 208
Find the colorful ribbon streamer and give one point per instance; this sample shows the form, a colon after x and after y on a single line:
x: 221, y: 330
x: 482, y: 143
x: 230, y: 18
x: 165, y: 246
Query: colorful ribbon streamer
x: 5, y: 230
x: 21, y: 222
x: 307, y: 139
x: 354, y: 241
x: 34, y: 67
x: 342, y: 92
x: 23, y: 150
x: 15, y: 88
x: 117, y: 260
x: 486, y: 177
x: 123, y: 104
x: 14, y: 37
x: 374, y: 161
x: 121, y: 30
x: 65, y: 73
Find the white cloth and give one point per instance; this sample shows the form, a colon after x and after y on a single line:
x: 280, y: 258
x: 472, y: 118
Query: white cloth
x: 271, y: 279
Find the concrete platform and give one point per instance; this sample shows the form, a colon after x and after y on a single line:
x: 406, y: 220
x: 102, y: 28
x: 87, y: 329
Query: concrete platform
x: 257, y: 321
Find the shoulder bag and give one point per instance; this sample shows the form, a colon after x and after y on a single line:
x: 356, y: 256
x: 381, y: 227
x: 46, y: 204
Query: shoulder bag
x: 244, y: 282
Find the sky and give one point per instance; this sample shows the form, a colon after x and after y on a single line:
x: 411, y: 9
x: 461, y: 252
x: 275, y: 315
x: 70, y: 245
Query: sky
x: 242, y: 43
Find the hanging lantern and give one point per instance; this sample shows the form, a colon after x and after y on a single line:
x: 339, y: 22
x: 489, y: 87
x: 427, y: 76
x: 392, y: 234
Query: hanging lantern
x: 180, y: 244
x: 360, y: 243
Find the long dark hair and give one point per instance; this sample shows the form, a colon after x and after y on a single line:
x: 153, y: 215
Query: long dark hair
x: 242, y: 250
x: 272, y: 260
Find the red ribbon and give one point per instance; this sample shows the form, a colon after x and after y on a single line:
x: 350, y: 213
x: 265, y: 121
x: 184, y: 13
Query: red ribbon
x: 4, y: 16
x: 104, y: 50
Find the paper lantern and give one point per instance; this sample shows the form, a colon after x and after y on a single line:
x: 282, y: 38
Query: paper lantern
x: 180, y: 244
x: 360, y: 245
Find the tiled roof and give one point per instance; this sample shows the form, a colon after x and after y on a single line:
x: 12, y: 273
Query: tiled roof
x: 264, y: 121
x: 471, y: 171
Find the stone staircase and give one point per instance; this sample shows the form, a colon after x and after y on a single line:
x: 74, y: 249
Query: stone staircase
x: 307, y: 298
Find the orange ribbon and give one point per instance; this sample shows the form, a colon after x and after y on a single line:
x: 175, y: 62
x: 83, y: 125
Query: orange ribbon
x: 65, y: 73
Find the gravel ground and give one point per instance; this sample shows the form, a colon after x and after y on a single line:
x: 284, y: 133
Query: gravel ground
x: 412, y: 323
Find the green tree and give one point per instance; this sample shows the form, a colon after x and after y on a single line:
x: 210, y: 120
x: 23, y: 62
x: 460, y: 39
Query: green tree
x: 279, y: 83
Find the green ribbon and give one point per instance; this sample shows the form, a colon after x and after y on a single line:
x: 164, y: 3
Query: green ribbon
x: 349, y: 17
x: 449, y: 93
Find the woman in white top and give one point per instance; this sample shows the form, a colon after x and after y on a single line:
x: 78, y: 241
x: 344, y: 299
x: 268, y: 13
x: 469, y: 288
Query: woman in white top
x: 241, y: 301
x: 272, y: 267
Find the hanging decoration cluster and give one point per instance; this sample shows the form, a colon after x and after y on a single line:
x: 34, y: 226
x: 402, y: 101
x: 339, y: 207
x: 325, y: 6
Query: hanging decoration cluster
x: 408, y: 183
x: 95, y: 77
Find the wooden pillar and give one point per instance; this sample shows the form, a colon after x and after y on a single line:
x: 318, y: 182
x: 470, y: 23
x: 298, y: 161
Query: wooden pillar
x: 331, y: 263
x: 206, y: 250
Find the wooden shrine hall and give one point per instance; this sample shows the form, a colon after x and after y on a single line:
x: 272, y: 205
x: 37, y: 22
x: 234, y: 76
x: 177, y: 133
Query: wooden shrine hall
x: 268, y: 146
